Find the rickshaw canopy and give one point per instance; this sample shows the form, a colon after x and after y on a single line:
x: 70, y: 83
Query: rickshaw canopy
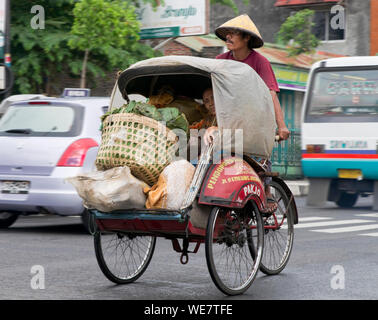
x: 242, y: 99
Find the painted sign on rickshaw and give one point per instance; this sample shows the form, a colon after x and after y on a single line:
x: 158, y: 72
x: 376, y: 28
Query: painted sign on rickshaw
x: 175, y: 18
x: 234, y: 180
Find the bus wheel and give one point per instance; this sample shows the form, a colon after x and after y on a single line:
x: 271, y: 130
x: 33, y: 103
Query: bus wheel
x: 347, y: 200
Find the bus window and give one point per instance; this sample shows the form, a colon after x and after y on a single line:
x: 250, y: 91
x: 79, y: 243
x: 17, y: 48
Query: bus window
x: 342, y: 95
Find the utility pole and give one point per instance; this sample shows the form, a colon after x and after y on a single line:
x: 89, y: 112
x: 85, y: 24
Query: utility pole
x: 7, y: 49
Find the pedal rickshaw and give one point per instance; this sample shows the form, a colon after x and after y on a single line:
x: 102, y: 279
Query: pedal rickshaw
x: 240, y: 238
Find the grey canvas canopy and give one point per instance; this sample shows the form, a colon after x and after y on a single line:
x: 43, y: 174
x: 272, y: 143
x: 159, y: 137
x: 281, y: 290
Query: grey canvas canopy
x: 242, y: 100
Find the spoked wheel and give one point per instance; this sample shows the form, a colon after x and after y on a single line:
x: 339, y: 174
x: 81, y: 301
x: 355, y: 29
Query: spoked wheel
x: 231, y: 237
x: 278, y: 233
x: 123, y: 257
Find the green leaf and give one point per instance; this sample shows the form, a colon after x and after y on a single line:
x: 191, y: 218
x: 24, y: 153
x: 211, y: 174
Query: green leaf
x: 297, y: 34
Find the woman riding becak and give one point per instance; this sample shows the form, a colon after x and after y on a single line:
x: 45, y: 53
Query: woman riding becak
x: 242, y: 36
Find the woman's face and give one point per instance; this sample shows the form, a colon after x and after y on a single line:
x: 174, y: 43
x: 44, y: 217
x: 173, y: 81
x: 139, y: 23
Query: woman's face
x: 208, y: 101
x: 235, y: 40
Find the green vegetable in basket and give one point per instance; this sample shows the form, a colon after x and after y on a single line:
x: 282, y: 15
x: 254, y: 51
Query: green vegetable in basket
x: 172, y: 117
x: 147, y: 110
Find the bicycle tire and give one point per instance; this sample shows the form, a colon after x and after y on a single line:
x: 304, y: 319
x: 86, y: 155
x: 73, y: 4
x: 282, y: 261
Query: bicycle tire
x: 133, y: 269
x: 232, y: 234
x: 273, y: 261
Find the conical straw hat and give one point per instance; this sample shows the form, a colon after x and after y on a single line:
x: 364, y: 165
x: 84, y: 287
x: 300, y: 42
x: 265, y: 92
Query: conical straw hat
x: 241, y: 23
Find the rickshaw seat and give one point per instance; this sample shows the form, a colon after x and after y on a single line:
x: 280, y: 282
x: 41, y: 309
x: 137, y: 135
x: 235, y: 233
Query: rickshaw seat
x: 257, y: 166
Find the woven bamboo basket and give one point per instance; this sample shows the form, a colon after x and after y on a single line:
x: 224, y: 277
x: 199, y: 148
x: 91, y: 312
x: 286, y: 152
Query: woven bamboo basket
x: 143, y: 144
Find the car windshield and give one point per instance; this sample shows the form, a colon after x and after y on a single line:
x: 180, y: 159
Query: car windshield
x: 344, y: 95
x: 40, y: 120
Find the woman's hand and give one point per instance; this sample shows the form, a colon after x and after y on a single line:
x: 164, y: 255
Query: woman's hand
x: 210, y: 135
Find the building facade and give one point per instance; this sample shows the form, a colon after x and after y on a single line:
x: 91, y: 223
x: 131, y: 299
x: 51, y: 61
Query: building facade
x: 347, y: 27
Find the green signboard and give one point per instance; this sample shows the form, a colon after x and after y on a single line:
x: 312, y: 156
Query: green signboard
x: 160, y: 32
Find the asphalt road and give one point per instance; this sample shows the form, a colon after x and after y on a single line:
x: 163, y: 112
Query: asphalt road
x: 334, y: 257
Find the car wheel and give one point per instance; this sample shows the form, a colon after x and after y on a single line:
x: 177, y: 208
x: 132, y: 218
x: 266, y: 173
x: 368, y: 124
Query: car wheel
x: 88, y: 222
x: 347, y: 200
x: 7, y: 219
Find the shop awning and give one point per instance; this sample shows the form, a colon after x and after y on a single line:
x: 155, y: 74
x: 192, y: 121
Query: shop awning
x: 282, y: 3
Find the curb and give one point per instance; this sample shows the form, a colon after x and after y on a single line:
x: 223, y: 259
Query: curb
x: 298, y: 187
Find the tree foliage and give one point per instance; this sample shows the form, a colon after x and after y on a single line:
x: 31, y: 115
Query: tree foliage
x: 104, y: 27
x: 42, y: 55
x: 296, y: 32
x: 39, y: 53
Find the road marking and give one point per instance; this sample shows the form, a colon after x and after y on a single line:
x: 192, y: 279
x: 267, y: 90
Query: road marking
x: 373, y: 234
x: 306, y: 219
x: 314, y: 219
x: 348, y: 229
x: 369, y: 215
x: 330, y: 223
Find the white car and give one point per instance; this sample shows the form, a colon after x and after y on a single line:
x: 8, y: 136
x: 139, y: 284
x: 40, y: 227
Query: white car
x: 16, y: 98
x: 42, y: 142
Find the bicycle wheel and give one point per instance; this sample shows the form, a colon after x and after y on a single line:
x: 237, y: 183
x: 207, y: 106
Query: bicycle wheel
x: 123, y: 257
x: 230, y: 239
x: 278, y: 233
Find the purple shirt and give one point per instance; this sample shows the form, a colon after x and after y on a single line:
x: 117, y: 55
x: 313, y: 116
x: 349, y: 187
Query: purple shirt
x: 260, y: 64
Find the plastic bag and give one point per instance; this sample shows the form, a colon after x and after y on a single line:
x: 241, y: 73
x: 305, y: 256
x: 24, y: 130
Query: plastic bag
x: 170, y: 190
x: 110, y: 190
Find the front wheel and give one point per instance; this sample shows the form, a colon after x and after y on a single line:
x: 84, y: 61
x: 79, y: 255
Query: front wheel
x: 232, y: 236
x: 278, y: 232
x: 123, y: 257
x: 7, y: 219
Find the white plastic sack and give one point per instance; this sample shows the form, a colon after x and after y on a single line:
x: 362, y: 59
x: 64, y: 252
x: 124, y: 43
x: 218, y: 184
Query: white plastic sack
x: 170, y: 190
x: 110, y: 190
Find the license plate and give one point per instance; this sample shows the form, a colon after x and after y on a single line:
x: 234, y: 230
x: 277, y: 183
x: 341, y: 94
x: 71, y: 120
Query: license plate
x: 14, y: 187
x: 350, y: 174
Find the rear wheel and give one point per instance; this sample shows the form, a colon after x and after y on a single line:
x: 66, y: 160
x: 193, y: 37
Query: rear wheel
x: 232, y: 236
x: 278, y: 233
x: 123, y: 257
x: 7, y: 219
x: 347, y: 200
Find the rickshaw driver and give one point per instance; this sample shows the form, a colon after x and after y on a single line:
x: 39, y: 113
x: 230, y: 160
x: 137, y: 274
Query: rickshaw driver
x: 242, y: 36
